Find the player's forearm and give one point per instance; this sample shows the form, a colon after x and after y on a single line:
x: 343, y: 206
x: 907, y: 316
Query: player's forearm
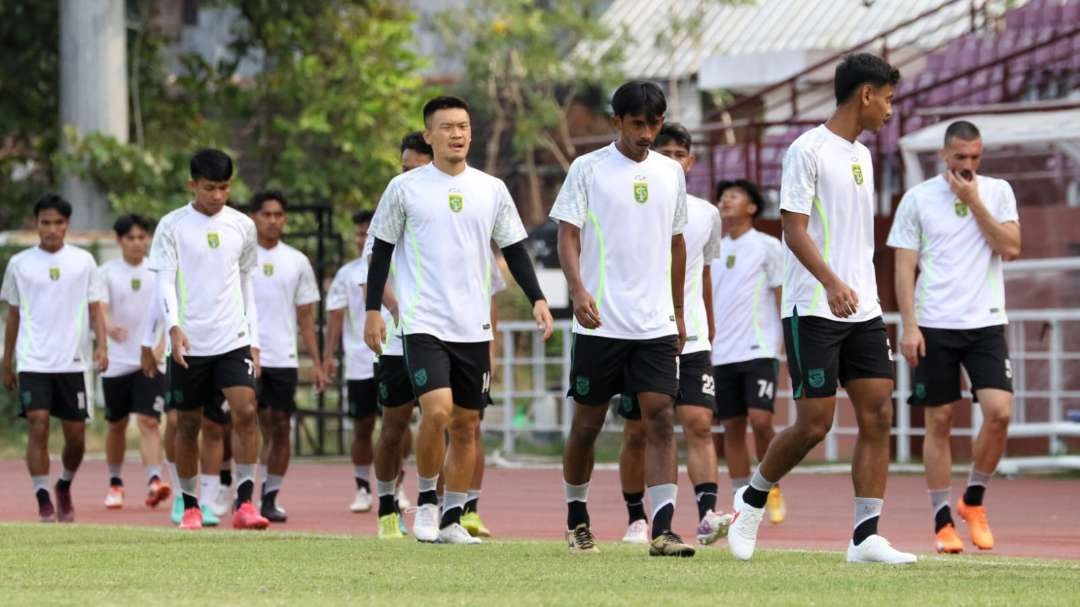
x: 1003, y: 238
x: 706, y: 293
x: 334, y: 322
x: 800, y: 243
x: 305, y: 317
x: 390, y: 300
x: 521, y: 268
x: 168, y: 303
x: 569, y: 248
x: 251, y: 311
x: 378, y: 272
x: 678, y: 271
x: 11, y: 333
x: 904, y: 282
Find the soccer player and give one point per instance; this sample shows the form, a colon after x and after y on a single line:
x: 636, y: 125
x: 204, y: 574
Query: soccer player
x: 696, y: 400
x: 746, y: 280
x: 444, y: 303
x: 205, y: 256
x: 129, y: 290
x: 833, y: 328
x: 54, y: 295
x: 957, y: 228
x: 621, y: 214
x: 286, y: 290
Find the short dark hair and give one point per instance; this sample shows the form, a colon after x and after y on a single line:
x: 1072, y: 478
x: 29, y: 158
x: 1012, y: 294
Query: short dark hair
x: 211, y: 165
x: 125, y: 223
x: 962, y: 130
x: 639, y: 97
x: 747, y: 186
x: 364, y: 216
x: 443, y: 102
x: 415, y: 141
x: 53, y: 201
x: 858, y: 69
x: 261, y: 197
x: 673, y: 132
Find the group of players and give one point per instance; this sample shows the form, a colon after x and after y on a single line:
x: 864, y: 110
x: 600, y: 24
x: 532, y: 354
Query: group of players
x: 674, y: 303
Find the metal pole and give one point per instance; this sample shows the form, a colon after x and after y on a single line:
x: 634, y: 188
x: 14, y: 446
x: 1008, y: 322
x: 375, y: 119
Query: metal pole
x: 508, y: 389
x: 1056, y: 347
x: 567, y: 404
x: 903, y: 412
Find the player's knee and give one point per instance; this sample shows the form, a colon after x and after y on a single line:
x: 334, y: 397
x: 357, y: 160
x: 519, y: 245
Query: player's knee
x: 436, y: 415
x: 279, y: 430
x: 462, y: 428
x: 877, y: 419
x: 188, y: 426
x: 661, y: 425
x: 813, y: 431
x: 698, y: 431
x: 997, y: 419
x: 584, y: 430
x: 761, y: 424
x: 148, y: 424
x: 244, y: 417
x: 633, y: 436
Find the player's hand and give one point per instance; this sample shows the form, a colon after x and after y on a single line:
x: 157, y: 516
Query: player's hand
x: 544, y: 321
x: 912, y: 345
x: 374, y: 331
x: 967, y: 191
x: 680, y: 323
x: 148, y: 361
x: 843, y: 300
x: 255, y: 362
x: 329, y: 370
x: 319, y: 379
x: 118, y: 333
x: 101, y: 358
x: 585, y: 310
x: 180, y: 345
x: 9, y: 377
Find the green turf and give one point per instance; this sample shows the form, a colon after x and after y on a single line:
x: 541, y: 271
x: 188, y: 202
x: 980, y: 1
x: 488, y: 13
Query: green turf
x: 89, y: 565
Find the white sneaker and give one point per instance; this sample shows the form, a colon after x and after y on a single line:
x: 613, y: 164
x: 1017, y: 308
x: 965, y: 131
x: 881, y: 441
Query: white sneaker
x: 455, y: 534
x: 426, y: 523
x: 876, y: 549
x: 362, y: 501
x: 713, y: 526
x: 222, y: 502
x: 742, y: 533
x: 637, y: 532
x: 402, y: 499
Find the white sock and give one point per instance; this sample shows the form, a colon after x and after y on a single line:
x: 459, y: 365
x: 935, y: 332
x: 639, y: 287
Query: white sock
x: 454, y: 499
x: 385, y: 487
x: 473, y: 494
x: 115, y: 470
x: 245, y: 472
x: 867, y: 508
x: 739, y: 483
x: 363, y: 473
x: 576, y: 493
x: 761, y: 483
x: 427, y: 484
x: 67, y: 475
x: 273, y: 483
x: 209, y: 485
x: 264, y: 474
x: 173, y: 476
x: 661, y: 495
x: 151, y: 472
x: 40, y: 482
x: 189, y: 486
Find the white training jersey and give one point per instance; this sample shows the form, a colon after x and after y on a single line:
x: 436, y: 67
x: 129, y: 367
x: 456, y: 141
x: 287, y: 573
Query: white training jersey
x: 702, y: 235
x: 442, y: 279
x: 347, y: 292
x: 210, y: 254
x: 830, y: 179
x: 960, y: 284
x: 744, y: 278
x: 628, y: 212
x: 284, y: 280
x: 129, y: 291
x: 52, y: 292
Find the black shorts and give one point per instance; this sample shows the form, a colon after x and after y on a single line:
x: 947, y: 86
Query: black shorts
x: 392, y: 376
x: 363, y: 398
x: 983, y: 353
x: 602, y: 367
x: 464, y: 367
x: 133, y: 393
x: 696, y: 386
x: 275, y: 389
x: 745, y: 385
x: 822, y: 352
x: 63, y: 395
x: 201, y: 384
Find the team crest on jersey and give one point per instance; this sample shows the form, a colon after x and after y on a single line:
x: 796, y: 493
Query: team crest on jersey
x: 856, y: 172
x: 816, y: 378
x: 730, y: 262
x: 136, y: 284
x: 268, y: 269
x: 54, y: 273
x: 960, y: 209
x: 213, y: 239
x: 641, y: 189
x: 457, y: 201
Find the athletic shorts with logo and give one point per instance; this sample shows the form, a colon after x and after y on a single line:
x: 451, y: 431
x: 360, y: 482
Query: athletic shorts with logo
x: 822, y: 352
x: 63, y: 395
x: 200, y: 385
x: 275, y: 389
x: 983, y: 353
x: 602, y: 367
x: 133, y: 393
x: 464, y: 367
x: 741, y: 386
x: 394, y: 386
x: 696, y: 386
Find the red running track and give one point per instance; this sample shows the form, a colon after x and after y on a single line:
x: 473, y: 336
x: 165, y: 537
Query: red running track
x: 1031, y: 517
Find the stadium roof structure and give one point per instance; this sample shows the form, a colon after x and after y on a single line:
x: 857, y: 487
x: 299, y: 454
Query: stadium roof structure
x: 776, y: 38
x: 1060, y: 129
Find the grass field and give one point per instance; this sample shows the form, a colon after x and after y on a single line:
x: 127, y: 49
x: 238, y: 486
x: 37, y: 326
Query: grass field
x: 88, y: 565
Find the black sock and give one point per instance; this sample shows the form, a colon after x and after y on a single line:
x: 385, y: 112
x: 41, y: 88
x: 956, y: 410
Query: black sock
x: 635, y: 506
x: 42, y: 496
x: 362, y: 484
x: 116, y: 481
x: 973, y: 495
x: 576, y: 514
x: 190, y: 501
x: 865, y: 530
x: 472, y: 505
x: 427, y: 497
x: 706, y: 498
x: 661, y: 522
x: 942, y: 518
x: 387, y: 505
x: 450, y: 517
x: 755, y: 497
x: 62, y: 485
x: 226, y: 477
x: 244, y: 491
